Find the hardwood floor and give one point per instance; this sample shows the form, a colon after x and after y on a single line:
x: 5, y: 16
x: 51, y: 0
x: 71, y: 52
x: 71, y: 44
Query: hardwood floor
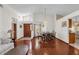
x: 19, y: 50
x: 52, y: 47
x: 39, y: 47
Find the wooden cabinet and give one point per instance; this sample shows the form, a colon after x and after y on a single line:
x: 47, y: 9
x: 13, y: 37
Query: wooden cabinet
x: 71, y: 37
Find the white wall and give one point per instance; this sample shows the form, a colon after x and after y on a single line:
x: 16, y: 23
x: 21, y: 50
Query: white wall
x: 19, y: 30
x: 63, y: 32
x: 48, y: 21
x: 0, y: 22
x: 6, y: 21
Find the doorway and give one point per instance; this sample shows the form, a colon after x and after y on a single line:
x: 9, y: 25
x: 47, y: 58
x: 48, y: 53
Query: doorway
x: 14, y: 31
x: 27, y: 31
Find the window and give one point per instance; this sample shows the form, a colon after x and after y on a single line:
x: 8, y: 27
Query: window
x: 27, y: 18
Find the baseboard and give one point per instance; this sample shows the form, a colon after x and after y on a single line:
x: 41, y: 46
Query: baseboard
x: 62, y: 40
x: 67, y: 43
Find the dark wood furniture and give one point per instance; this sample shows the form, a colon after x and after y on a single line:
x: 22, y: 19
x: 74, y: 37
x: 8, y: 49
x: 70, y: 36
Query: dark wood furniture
x: 48, y: 36
x: 71, y: 37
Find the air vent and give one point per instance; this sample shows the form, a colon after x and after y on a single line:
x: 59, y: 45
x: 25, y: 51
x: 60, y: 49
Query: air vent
x: 1, y: 5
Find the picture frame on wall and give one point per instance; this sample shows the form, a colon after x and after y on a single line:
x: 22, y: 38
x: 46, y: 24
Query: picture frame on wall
x: 20, y: 26
x: 64, y: 24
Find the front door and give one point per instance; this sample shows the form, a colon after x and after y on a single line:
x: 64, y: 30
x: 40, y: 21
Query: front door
x: 27, y: 31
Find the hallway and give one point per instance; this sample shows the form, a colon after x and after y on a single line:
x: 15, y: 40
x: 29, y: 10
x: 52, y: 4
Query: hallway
x: 33, y: 20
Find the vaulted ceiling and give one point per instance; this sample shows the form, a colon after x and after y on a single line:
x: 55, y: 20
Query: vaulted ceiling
x: 60, y: 9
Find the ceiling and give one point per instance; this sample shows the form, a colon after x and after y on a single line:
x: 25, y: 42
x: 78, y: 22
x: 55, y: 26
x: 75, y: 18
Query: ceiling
x: 60, y: 9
